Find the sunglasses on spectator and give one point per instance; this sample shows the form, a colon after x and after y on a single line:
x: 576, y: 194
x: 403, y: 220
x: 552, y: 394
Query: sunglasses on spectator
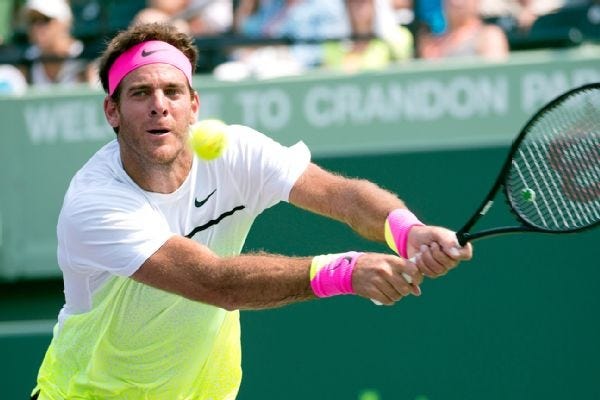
x: 38, y: 20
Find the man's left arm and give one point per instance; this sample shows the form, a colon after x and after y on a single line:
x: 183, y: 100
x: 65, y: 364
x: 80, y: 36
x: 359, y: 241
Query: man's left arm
x: 365, y: 207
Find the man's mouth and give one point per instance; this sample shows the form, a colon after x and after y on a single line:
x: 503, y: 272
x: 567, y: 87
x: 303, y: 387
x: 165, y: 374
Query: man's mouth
x: 158, y: 131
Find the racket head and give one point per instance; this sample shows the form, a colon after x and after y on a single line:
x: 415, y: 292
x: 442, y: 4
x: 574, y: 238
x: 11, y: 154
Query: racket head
x: 552, y: 176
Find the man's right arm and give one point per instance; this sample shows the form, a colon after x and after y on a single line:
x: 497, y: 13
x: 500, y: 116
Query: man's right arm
x: 257, y: 281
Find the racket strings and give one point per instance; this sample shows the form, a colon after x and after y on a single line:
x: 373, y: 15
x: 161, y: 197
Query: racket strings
x: 538, y: 186
x: 554, y: 179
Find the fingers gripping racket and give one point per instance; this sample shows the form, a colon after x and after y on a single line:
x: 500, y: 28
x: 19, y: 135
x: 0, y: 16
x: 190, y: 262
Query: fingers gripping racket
x: 551, y: 177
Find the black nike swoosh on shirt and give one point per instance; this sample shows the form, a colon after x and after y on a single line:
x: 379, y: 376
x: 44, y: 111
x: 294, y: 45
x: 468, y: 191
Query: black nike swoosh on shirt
x: 146, y: 53
x: 200, y: 203
x: 214, y: 221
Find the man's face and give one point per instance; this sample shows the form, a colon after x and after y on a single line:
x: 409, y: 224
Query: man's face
x: 462, y: 6
x: 361, y: 14
x: 44, y: 31
x: 170, y: 7
x: 154, y: 113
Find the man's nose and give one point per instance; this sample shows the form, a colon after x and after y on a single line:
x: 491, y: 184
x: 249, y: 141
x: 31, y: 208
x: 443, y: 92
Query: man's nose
x: 158, y: 106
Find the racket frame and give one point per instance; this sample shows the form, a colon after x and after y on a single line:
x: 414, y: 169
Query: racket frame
x: 464, y: 236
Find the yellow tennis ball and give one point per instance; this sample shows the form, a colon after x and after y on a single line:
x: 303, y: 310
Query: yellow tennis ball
x: 208, y: 138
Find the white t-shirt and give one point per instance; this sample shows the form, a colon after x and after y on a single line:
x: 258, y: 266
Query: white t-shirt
x: 120, y: 339
x: 109, y: 226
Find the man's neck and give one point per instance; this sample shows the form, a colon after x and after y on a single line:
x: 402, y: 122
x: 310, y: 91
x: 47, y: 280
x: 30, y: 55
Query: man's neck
x: 165, y: 178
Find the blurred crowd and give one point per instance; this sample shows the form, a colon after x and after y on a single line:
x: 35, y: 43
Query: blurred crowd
x: 45, y: 42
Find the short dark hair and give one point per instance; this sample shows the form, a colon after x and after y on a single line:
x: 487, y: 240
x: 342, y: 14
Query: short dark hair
x: 139, y: 33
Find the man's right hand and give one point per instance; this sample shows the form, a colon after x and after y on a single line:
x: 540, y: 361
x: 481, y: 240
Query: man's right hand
x: 379, y: 277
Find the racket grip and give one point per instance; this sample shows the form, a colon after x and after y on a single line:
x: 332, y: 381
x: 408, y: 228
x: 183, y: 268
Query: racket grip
x: 463, y: 238
x: 406, y: 277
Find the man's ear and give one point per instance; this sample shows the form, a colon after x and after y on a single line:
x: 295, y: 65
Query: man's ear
x: 111, y: 111
x: 195, y: 107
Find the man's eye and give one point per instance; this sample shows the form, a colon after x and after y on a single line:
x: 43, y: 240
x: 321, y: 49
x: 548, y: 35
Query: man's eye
x: 172, y: 91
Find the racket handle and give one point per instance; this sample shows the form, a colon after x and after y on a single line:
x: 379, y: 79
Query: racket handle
x: 406, y: 277
x: 463, y: 238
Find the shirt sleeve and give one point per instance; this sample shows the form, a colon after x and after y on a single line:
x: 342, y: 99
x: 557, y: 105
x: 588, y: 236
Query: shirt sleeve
x: 264, y: 170
x: 109, y: 230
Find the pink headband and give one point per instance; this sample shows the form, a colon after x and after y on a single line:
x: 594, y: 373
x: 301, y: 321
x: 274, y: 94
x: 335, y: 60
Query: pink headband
x: 150, y: 52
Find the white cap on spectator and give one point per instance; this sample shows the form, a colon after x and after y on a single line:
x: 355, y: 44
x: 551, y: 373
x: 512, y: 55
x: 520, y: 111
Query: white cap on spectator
x: 57, y: 9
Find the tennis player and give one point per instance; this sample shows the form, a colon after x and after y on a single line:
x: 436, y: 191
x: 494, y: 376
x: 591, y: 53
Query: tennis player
x: 149, y: 240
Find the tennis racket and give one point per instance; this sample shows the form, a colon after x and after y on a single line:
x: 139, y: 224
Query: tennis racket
x: 551, y: 177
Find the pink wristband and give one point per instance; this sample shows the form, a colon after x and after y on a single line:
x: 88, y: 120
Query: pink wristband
x: 331, y: 274
x: 397, y: 227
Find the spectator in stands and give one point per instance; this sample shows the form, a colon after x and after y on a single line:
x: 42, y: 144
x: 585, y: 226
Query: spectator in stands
x: 243, y: 10
x: 210, y: 17
x: 518, y: 14
x: 193, y: 17
x: 377, y: 42
x: 403, y: 11
x: 54, y: 53
x: 466, y: 35
x: 429, y: 14
x: 164, y: 11
x: 292, y: 19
